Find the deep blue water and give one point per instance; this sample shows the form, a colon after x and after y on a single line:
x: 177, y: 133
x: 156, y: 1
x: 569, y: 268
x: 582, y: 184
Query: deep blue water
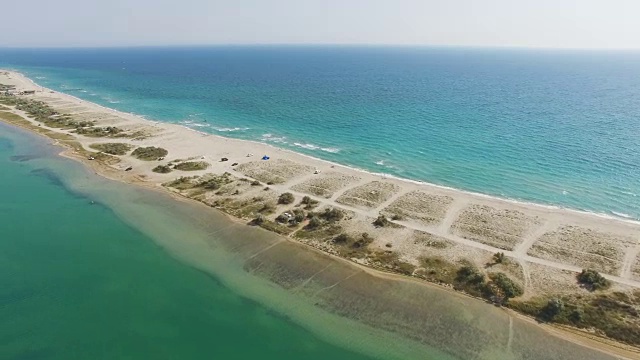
x: 553, y: 127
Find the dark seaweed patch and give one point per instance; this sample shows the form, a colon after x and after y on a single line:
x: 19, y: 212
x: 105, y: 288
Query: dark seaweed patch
x: 23, y: 158
x: 49, y: 175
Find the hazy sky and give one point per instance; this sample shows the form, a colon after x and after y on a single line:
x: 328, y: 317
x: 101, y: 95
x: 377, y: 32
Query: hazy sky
x: 537, y: 23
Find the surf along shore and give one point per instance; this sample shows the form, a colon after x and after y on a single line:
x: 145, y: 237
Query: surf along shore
x: 522, y: 256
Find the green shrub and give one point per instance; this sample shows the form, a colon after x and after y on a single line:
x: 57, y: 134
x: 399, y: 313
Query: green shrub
x: 470, y: 274
x: 343, y: 239
x: 181, y: 183
x: 552, y: 309
x: 364, y: 240
x: 381, y: 221
x: 498, y: 257
x: 593, y: 280
x: 216, y: 182
x: 314, y: 223
x: 332, y: 215
x: 112, y: 148
x: 286, y: 198
x: 509, y: 289
x: 191, y: 166
x: 109, y: 131
x: 149, y: 153
x: 162, y: 169
x: 308, y: 202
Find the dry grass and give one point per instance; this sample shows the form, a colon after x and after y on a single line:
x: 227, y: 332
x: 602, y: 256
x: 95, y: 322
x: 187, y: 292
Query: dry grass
x: 420, y: 206
x: 325, y: 185
x: 500, y: 228
x: 584, y: 247
x: 370, y: 195
x: 274, y: 171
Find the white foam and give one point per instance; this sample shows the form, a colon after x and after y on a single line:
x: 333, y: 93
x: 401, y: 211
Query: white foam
x: 307, y: 146
x: 232, y: 129
x: 190, y: 123
x: 316, y: 147
x: 623, y: 215
x: 275, y: 139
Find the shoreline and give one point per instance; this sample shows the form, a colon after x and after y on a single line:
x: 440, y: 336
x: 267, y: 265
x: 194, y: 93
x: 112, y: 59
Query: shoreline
x: 136, y: 179
x: 542, y: 206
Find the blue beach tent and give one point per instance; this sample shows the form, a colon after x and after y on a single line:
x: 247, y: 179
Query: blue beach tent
x: 265, y: 157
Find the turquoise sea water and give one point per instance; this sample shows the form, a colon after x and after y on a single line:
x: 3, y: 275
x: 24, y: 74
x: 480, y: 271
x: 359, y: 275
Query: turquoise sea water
x: 553, y: 127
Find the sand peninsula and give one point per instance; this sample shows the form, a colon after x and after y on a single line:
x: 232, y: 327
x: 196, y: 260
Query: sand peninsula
x: 577, y: 270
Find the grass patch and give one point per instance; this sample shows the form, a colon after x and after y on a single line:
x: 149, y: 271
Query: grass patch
x: 592, y: 280
x: 112, y: 148
x: 43, y: 113
x: 182, y: 183
x: 437, y: 269
x: 11, y: 117
x: 391, y: 261
x: 149, y: 153
x: 191, y: 165
x: 614, y: 315
x: 108, y: 131
x: 216, y: 182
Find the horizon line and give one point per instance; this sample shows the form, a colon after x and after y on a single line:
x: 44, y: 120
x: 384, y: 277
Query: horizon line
x: 371, y: 45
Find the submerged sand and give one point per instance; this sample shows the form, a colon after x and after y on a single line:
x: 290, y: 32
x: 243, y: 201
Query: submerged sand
x: 541, y: 242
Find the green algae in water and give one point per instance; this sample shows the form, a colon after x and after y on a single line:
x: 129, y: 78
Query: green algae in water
x: 78, y: 283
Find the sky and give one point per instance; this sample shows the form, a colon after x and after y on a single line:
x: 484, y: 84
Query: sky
x: 609, y: 24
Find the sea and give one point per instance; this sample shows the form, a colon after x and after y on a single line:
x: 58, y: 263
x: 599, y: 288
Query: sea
x: 554, y: 127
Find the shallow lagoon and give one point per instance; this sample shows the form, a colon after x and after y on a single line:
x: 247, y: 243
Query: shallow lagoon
x: 90, y: 268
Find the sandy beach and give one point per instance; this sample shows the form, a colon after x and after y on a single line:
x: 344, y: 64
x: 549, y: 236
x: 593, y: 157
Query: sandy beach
x: 407, y: 224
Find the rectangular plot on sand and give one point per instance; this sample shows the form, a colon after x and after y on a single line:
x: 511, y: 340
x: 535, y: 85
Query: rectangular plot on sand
x: 548, y: 280
x: 501, y: 228
x: 369, y: 195
x: 420, y: 206
x: 584, y: 247
x: 274, y: 171
x: 325, y: 185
